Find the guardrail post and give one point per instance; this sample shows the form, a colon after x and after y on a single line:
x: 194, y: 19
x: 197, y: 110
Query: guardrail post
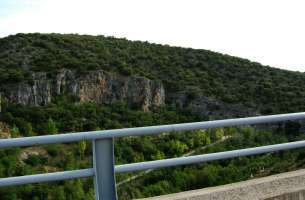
x: 103, y: 163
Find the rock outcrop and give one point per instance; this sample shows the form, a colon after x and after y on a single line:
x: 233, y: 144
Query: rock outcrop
x: 208, y: 107
x: 96, y: 86
x: 107, y: 88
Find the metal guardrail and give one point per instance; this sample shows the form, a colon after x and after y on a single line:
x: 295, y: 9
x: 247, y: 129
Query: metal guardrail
x: 104, y: 169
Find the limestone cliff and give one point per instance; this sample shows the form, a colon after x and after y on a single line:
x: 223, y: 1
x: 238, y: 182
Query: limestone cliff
x: 96, y: 86
x: 107, y: 88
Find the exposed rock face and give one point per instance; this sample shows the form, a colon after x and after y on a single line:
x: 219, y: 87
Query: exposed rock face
x: 104, y: 87
x: 96, y: 86
x: 208, y: 107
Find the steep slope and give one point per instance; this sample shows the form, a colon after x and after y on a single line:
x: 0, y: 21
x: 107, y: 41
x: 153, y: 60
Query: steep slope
x: 188, y: 75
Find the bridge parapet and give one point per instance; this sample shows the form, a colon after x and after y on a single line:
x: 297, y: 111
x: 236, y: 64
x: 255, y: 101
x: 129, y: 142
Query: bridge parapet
x: 284, y: 186
x: 104, y: 168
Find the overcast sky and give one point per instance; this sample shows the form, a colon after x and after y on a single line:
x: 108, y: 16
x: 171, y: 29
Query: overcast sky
x: 271, y: 32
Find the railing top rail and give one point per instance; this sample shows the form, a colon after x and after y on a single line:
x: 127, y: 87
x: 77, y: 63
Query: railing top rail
x: 74, y: 137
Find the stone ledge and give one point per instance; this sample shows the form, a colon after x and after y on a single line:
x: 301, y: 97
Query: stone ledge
x: 271, y: 187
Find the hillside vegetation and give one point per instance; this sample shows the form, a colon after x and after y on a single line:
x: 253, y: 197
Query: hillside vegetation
x: 197, y: 73
x: 215, y: 75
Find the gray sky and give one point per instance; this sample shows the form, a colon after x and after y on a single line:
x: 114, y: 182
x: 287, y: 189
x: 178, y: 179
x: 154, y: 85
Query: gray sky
x: 271, y: 32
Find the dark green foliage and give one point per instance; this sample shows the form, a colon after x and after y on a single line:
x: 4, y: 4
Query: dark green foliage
x: 13, y: 75
x: 223, y: 77
x: 74, y: 117
x: 176, y: 179
x: 35, y: 160
x: 24, y: 127
x: 194, y: 72
x: 51, y: 127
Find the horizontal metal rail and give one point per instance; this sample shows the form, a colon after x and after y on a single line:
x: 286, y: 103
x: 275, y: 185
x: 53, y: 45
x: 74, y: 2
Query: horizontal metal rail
x: 95, y: 135
x: 47, y: 177
x: 104, y: 170
x: 207, y: 157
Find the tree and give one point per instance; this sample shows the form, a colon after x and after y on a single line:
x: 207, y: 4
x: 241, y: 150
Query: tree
x: 158, y: 156
x: 176, y: 148
x: 292, y: 128
x: 247, y: 132
x: 29, y: 129
x: 201, y: 138
x: 82, y: 148
x: 78, y: 192
x: 90, y: 195
x: 217, y: 134
x: 15, y: 131
x: 51, y: 127
x: 24, y: 127
x: 59, y: 193
x: 208, y: 140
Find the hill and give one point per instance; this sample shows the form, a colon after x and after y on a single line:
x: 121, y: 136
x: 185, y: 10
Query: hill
x: 187, y: 74
x: 52, y: 83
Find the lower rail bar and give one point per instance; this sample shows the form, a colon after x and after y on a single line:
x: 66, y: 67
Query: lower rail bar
x: 47, y: 177
x: 207, y: 157
x: 83, y: 173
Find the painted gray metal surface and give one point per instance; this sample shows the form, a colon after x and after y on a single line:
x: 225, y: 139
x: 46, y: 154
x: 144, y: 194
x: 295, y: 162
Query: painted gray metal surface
x: 103, y: 165
x: 74, y: 137
x: 150, y: 164
x: 47, y: 177
x: 103, y: 155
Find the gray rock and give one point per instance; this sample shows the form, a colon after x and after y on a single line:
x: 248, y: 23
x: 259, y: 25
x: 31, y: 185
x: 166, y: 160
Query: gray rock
x: 208, y: 107
x: 94, y: 86
x: 104, y: 87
